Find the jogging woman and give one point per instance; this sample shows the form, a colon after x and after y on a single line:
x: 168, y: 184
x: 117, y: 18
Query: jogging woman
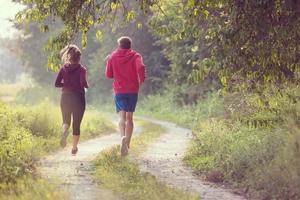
x: 72, y: 78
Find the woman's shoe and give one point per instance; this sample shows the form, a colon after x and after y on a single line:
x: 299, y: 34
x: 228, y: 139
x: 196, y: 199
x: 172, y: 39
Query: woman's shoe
x: 63, y: 139
x: 74, y: 151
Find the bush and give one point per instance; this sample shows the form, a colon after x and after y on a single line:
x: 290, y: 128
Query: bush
x: 15, y: 155
x: 24, y: 133
x: 27, y: 133
x: 251, y: 140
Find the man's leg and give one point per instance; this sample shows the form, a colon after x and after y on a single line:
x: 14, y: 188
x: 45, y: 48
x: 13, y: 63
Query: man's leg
x: 122, y: 122
x: 129, y: 127
x: 122, y: 126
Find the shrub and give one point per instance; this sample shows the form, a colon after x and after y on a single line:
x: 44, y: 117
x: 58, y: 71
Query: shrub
x: 251, y: 140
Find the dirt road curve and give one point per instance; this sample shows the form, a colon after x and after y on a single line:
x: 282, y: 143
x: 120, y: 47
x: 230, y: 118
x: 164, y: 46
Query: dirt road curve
x: 164, y: 160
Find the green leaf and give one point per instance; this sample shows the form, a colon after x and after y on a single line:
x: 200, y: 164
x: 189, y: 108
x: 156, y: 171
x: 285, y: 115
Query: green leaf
x: 115, y: 6
x: 100, y: 20
x: 195, y: 49
x: 130, y: 16
x: 224, y: 80
x: 84, y: 40
x: 205, y: 13
x: 139, y: 25
x: 99, y: 35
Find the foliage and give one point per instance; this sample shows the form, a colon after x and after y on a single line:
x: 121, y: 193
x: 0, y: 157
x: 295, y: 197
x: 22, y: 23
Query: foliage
x: 27, y: 133
x: 34, y: 56
x: 240, y: 141
x: 78, y: 18
x: 166, y: 106
x: 253, y: 41
x: 101, y: 44
x: 228, y: 42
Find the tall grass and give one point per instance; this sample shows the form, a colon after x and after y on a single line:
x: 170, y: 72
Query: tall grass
x: 27, y: 133
x: 247, y: 139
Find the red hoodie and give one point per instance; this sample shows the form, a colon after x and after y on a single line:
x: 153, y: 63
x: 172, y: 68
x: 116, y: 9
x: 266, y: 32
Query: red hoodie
x: 72, y: 78
x: 127, y: 69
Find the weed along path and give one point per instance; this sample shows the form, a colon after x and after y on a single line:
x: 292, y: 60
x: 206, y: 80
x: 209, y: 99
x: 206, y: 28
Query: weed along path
x: 163, y: 159
x: 73, y: 173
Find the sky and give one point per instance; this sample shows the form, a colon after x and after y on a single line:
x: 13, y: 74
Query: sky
x: 8, y: 9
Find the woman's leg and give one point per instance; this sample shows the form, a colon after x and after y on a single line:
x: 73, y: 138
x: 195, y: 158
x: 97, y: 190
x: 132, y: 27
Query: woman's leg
x: 66, y: 115
x: 78, y: 113
x: 75, y: 141
x: 66, y: 126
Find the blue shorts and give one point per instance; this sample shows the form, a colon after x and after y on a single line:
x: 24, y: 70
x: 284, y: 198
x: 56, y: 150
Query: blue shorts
x: 126, y: 102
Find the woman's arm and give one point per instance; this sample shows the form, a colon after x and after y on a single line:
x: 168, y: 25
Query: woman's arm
x: 59, y: 78
x: 83, y: 78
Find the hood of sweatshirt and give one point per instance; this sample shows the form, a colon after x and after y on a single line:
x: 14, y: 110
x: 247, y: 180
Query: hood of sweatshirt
x: 123, y: 55
x: 70, y: 68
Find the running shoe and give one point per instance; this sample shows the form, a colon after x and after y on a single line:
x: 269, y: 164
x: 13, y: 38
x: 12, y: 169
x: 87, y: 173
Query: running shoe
x: 74, y: 151
x: 124, y: 147
x: 63, y: 139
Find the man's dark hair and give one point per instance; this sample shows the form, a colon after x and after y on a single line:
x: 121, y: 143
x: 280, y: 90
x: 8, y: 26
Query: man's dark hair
x: 124, y: 42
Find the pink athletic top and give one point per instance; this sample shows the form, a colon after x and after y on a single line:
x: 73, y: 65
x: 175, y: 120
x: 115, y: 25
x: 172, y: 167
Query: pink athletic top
x: 127, y: 69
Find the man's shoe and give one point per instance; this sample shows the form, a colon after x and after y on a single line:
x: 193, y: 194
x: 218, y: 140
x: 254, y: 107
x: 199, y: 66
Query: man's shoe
x: 124, y: 148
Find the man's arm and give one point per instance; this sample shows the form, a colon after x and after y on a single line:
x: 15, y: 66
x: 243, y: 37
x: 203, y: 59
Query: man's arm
x: 140, y: 68
x: 109, y: 70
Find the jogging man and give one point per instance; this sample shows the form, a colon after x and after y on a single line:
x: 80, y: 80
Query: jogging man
x: 126, y: 68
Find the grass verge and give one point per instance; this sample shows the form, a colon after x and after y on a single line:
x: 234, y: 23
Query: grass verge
x: 26, y: 134
x: 30, y: 188
x: 122, y: 175
x: 248, y: 140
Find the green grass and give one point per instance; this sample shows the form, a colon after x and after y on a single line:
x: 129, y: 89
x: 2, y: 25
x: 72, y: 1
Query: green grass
x: 30, y: 188
x: 123, y: 176
x: 26, y: 134
x: 248, y: 140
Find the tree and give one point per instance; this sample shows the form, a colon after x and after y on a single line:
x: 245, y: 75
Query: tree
x: 237, y: 41
x: 78, y: 17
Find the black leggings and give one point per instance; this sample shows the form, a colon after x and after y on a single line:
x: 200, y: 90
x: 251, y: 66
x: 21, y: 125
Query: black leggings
x: 73, y: 104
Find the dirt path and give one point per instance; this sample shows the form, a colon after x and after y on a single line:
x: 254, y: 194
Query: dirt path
x: 73, y: 173
x: 164, y: 160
